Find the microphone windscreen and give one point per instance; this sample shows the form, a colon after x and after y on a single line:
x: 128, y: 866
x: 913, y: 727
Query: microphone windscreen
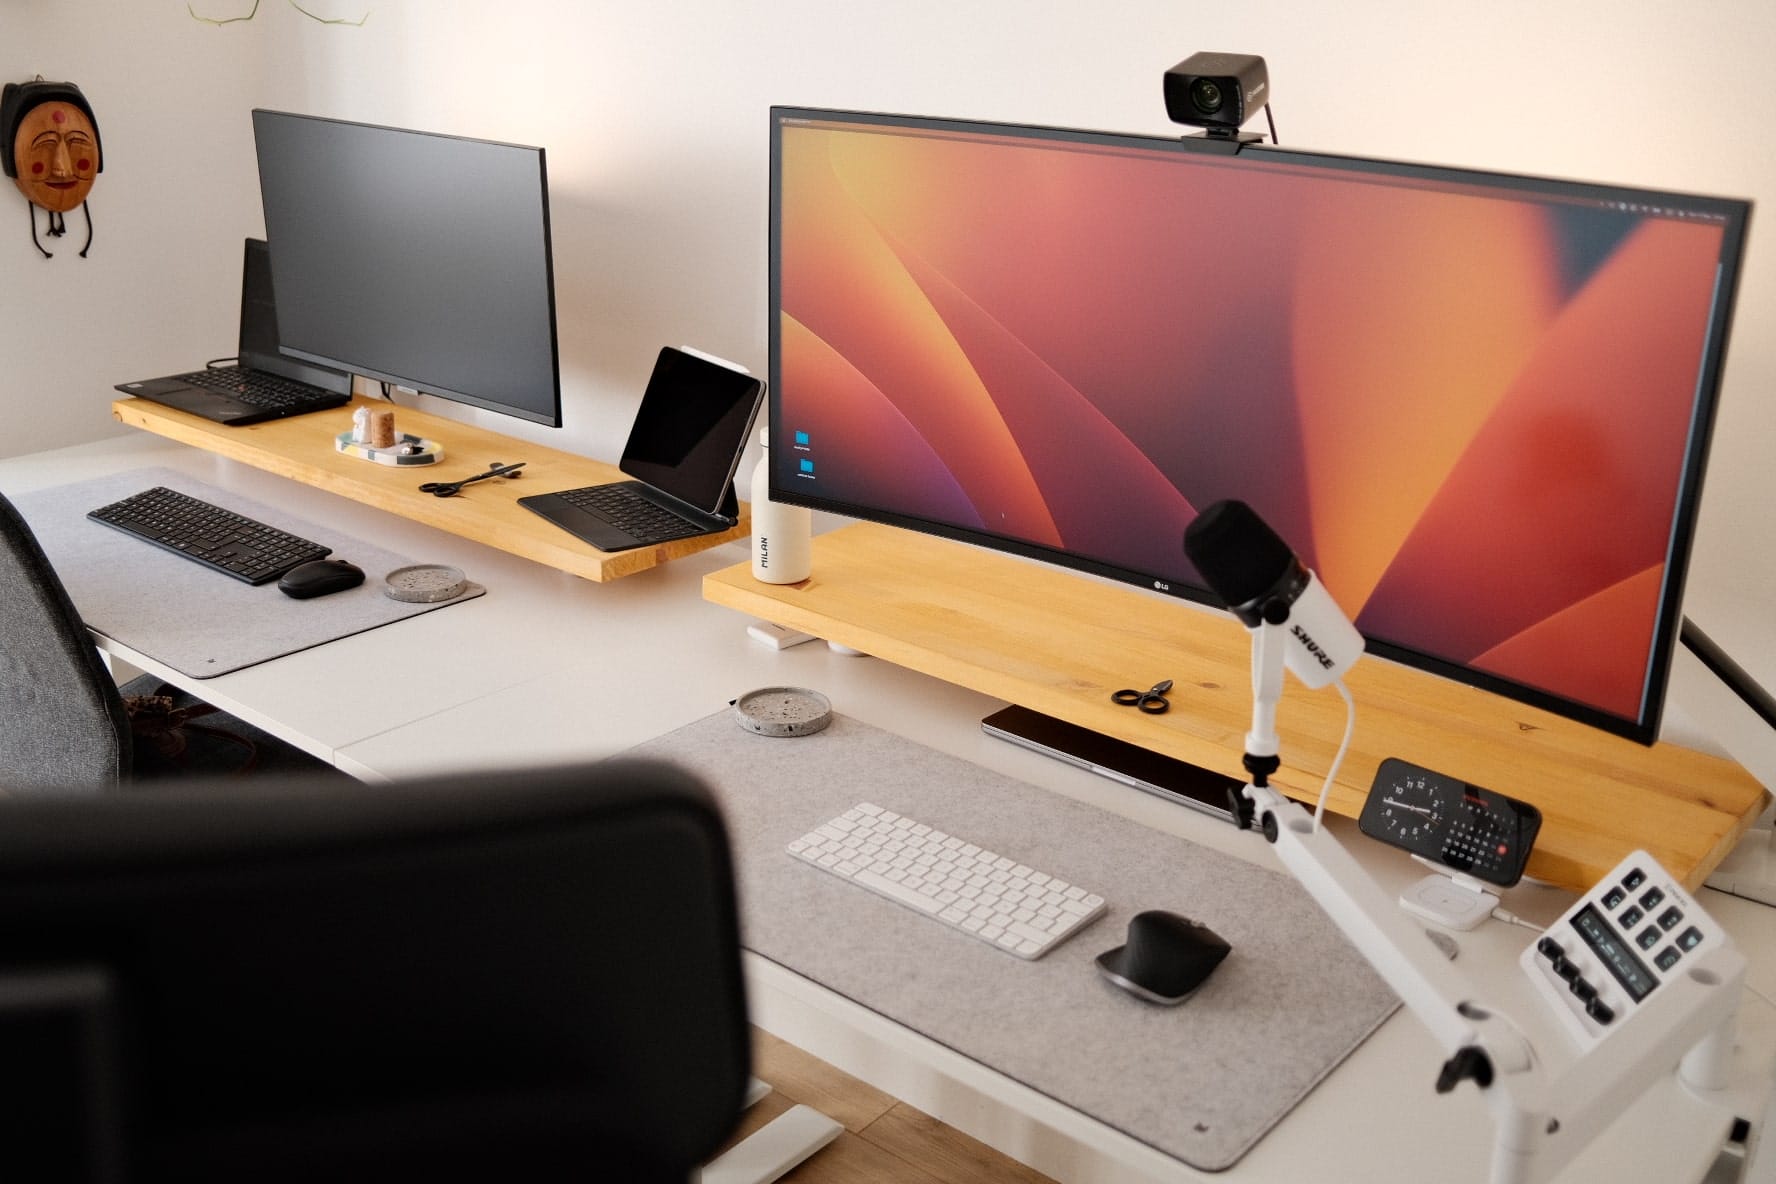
x: 1237, y: 554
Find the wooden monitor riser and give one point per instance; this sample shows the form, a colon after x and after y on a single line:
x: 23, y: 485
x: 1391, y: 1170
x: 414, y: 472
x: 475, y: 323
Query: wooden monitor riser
x: 1060, y: 643
x: 302, y: 449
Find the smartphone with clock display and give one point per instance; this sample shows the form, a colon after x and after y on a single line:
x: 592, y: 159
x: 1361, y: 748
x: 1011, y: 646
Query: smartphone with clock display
x: 1450, y: 822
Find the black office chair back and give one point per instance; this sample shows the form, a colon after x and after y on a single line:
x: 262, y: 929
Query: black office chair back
x: 62, y: 722
x: 519, y: 977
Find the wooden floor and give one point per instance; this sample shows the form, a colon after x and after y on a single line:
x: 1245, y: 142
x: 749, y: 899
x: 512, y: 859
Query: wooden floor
x: 883, y: 1140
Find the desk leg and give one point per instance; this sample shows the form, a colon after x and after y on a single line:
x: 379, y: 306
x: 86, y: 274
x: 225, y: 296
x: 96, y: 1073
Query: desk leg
x: 121, y: 671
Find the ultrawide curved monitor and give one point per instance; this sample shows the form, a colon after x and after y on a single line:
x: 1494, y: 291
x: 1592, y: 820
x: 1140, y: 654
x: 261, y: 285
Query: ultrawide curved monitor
x: 413, y: 258
x: 1478, y: 405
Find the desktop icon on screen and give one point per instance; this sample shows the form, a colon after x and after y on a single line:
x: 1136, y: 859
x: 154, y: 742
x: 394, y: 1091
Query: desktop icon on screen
x: 801, y: 439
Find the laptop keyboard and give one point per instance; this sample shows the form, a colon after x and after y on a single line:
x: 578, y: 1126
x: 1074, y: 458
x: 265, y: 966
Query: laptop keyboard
x: 220, y: 539
x: 627, y: 510
x: 259, y: 388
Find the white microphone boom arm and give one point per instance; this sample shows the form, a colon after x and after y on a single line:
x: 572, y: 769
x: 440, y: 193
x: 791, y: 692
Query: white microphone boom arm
x: 1540, y: 1121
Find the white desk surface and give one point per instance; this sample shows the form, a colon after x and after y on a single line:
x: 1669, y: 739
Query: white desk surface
x: 548, y: 667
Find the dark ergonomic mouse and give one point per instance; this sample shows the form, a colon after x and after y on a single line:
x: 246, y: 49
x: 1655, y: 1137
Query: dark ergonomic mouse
x: 318, y: 577
x: 1166, y: 958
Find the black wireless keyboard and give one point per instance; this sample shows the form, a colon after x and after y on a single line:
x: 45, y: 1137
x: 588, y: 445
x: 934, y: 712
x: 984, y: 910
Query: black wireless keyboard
x: 262, y: 389
x: 222, y: 540
x: 627, y: 510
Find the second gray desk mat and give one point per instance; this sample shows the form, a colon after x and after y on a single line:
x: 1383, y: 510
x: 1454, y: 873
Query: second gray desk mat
x: 198, y: 621
x: 1202, y: 1081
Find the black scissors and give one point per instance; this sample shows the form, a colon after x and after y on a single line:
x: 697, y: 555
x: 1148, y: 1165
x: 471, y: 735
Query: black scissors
x: 452, y: 488
x: 1152, y: 702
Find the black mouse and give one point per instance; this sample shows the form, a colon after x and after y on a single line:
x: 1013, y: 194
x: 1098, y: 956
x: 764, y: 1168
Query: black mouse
x: 1166, y: 958
x: 318, y: 577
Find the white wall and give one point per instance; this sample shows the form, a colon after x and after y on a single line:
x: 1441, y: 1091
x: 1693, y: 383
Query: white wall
x: 160, y: 287
x: 653, y: 115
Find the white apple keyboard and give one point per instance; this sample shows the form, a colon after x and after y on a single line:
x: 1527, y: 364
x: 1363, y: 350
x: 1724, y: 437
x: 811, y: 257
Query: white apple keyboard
x: 984, y: 894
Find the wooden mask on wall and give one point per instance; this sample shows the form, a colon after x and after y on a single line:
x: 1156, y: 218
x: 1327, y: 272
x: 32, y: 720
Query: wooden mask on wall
x: 51, y: 144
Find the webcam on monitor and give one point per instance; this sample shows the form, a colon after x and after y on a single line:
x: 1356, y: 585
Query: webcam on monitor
x: 1217, y: 91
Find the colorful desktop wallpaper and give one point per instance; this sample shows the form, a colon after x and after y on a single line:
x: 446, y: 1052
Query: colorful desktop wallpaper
x: 1468, y: 409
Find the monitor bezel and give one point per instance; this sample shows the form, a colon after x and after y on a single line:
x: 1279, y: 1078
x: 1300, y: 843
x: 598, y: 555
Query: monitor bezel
x: 1735, y: 213
x: 373, y: 370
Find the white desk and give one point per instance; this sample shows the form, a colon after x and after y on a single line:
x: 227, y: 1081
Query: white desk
x: 548, y: 667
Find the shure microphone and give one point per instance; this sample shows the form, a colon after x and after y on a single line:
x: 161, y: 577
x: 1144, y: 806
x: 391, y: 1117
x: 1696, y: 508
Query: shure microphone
x: 1247, y: 565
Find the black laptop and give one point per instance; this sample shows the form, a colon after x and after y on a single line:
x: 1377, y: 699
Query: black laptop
x: 683, y: 449
x: 265, y: 384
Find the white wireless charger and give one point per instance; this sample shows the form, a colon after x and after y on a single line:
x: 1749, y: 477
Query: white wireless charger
x: 1448, y: 898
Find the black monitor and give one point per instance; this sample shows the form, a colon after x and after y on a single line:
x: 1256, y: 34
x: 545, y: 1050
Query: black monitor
x: 1477, y: 404
x: 413, y: 258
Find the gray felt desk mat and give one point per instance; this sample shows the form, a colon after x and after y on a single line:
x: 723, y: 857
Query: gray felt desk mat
x: 1202, y: 1081
x: 197, y: 621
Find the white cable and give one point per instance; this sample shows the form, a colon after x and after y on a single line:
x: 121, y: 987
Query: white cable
x: 1511, y: 918
x: 1350, y: 723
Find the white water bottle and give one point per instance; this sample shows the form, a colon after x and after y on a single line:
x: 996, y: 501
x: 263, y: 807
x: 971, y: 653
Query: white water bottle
x: 782, y: 536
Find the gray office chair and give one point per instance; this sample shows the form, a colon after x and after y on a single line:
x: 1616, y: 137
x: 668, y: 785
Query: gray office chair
x: 523, y: 977
x: 64, y: 723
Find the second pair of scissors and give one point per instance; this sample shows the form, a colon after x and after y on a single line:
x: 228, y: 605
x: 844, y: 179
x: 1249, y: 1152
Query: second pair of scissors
x: 1153, y: 701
